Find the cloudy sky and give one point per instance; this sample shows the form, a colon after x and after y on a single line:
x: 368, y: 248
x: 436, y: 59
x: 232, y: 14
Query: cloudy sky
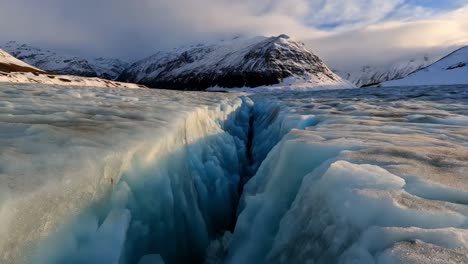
x: 343, y: 32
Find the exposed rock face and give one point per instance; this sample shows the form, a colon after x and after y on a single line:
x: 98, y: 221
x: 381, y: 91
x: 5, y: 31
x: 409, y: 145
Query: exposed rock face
x: 241, y: 62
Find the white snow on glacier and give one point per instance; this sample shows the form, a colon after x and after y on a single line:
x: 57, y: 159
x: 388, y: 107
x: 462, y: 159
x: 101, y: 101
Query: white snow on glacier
x: 92, y: 175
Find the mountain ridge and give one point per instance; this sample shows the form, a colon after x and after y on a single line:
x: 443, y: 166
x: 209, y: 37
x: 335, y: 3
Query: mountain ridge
x: 250, y: 62
x: 368, y: 75
x: 54, y: 62
x: 451, y: 69
x: 9, y: 63
x: 13, y: 70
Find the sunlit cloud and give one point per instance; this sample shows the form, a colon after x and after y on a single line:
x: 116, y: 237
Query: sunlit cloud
x: 343, y: 32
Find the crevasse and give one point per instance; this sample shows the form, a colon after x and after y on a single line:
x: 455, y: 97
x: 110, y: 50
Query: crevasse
x: 175, y: 197
x: 365, y: 182
x: 335, y: 177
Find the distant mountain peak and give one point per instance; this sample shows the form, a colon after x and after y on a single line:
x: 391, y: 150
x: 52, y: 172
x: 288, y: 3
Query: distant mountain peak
x: 450, y: 70
x: 373, y: 74
x: 240, y: 62
x: 13, y: 70
x: 66, y: 64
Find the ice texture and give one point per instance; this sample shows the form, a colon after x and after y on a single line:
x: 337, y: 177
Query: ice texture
x: 71, y: 157
x: 92, y: 175
x: 373, y: 176
x: 102, y: 245
x: 151, y: 259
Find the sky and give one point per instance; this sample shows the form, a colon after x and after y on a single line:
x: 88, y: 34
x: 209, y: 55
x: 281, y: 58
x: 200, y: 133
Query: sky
x: 345, y: 33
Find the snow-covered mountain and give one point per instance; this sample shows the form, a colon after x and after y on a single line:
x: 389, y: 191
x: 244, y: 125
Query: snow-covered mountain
x: 13, y: 70
x: 65, y: 64
x: 372, y: 74
x: 50, y: 61
x: 240, y: 62
x: 451, y: 69
x: 109, y: 68
x: 9, y: 63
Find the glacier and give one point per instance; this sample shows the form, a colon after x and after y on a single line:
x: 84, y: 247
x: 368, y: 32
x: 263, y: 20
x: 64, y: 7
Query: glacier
x: 93, y: 175
x: 374, y: 176
x: 172, y: 160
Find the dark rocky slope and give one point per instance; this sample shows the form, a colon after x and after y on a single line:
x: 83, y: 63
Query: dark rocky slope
x: 238, y: 63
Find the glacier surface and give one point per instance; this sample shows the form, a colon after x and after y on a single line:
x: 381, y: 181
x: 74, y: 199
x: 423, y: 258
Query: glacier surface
x: 92, y: 175
x: 373, y: 176
x: 166, y: 165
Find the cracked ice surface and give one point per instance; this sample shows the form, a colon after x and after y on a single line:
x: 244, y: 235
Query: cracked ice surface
x: 162, y: 159
x: 375, y: 176
x: 94, y: 175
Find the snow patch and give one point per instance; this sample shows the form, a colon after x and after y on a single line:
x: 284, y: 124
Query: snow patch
x: 450, y: 70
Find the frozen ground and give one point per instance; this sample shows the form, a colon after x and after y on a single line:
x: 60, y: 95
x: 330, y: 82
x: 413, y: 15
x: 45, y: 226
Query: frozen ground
x: 93, y: 175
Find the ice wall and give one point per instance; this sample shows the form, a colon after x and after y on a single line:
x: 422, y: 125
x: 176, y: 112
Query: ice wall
x: 365, y: 182
x: 271, y: 121
x: 109, y: 176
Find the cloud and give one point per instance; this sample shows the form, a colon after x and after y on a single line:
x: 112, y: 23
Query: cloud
x: 393, y: 40
x: 347, y: 13
x: 344, y: 32
x: 135, y: 28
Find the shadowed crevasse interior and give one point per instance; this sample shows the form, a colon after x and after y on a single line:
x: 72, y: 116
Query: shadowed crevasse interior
x: 176, y: 198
